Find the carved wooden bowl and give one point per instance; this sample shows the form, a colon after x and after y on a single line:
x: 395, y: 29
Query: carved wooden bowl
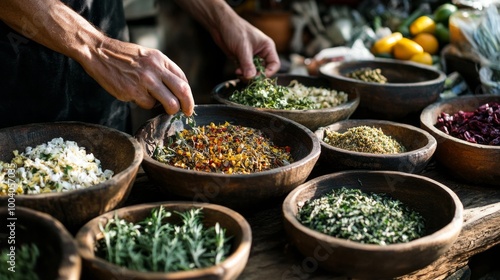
x: 312, y: 119
x: 235, y: 190
x: 235, y: 225
x: 410, y: 86
x: 420, y: 146
x: 58, y: 257
x: 478, y: 164
x: 116, y: 150
x: 440, y: 207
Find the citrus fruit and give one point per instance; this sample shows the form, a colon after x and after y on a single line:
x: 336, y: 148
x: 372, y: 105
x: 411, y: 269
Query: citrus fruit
x: 385, y: 44
x: 406, y: 48
x: 424, y: 58
x: 442, y: 33
x: 423, y: 24
x: 442, y: 13
x: 428, y: 42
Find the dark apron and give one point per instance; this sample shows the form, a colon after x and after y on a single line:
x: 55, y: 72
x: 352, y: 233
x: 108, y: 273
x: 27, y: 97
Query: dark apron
x: 40, y: 85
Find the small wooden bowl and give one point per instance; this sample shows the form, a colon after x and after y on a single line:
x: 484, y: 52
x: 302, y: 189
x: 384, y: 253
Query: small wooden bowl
x: 234, y: 190
x: 420, y: 147
x: 440, y: 207
x: 479, y: 164
x: 58, y: 257
x: 410, y: 87
x: 311, y: 119
x: 116, y: 150
x: 235, y: 225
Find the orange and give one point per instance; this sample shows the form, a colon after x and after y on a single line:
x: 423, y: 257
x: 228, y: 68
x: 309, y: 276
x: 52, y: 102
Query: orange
x: 424, y: 58
x: 428, y: 42
x: 423, y: 24
x: 406, y: 48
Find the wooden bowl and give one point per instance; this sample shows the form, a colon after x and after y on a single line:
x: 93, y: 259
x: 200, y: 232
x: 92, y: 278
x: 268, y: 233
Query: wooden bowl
x: 116, y: 150
x: 440, y: 207
x: 312, y: 119
x: 235, y: 225
x: 420, y: 147
x: 479, y: 164
x: 58, y: 257
x: 234, y: 190
x: 410, y: 87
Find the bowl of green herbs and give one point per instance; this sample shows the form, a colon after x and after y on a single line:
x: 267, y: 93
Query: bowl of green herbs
x: 165, y: 240
x: 309, y: 100
x: 372, y: 224
x: 35, y: 245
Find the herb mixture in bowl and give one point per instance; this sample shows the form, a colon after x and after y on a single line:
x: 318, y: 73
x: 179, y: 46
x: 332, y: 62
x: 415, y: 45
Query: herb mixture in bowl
x: 225, y: 148
x: 368, y: 75
x: 26, y: 257
x: 56, y: 166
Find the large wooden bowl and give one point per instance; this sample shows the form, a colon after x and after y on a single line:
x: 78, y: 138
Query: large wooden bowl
x: 116, y: 150
x: 234, y: 190
x: 420, y: 147
x: 235, y: 225
x: 410, y: 87
x: 58, y: 257
x: 440, y: 207
x: 311, y: 119
x: 475, y: 163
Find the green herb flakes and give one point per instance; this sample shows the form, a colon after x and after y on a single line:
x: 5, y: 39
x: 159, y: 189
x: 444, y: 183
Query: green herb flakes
x: 152, y: 245
x: 362, y: 217
x: 368, y: 75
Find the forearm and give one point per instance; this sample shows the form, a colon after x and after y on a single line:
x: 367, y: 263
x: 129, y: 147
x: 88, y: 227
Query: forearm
x: 54, y: 25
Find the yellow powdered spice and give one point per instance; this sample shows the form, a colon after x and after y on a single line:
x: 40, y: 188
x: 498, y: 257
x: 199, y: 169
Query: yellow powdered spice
x: 364, y: 139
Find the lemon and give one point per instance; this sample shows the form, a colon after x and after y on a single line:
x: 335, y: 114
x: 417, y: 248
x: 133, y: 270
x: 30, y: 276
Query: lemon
x: 423, y: 24
x: 406, y: 48
x: 424, y: 58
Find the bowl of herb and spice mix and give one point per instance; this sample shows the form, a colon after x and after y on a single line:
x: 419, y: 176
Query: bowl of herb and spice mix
x: 34, y: 245
x: 73, y: 171
x: 227, y: 155
x: 309, y: 100
x: 467, y: 130
x: 375, y: 145
x: 372, y: 224
x: 388, y: 88
x: 165, y: 240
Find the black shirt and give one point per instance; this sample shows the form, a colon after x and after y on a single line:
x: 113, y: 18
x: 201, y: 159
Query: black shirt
x: 40, y: 85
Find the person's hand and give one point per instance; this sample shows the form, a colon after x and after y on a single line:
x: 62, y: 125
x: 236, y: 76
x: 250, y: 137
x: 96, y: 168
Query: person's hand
x: 142, y: 75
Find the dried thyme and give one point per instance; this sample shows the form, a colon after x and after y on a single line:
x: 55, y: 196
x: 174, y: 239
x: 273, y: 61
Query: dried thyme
x: 26, y: 257
x: 362, y: 217
x: 368, y: 75
x: 152, y: 245
x: 364, y: 139
x: 226, y: 148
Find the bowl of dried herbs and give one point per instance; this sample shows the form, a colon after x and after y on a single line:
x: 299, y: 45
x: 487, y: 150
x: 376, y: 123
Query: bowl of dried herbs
x: 375, y: 145
x: 166, y: 240
x: 388, y: 88
x: 372, y: 224
x: 467, y: 130
x: 227, y: 155
x: 309, y: 100
x: 35, y: 245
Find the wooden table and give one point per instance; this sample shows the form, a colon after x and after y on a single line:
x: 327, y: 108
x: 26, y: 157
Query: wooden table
x: 273, y: 257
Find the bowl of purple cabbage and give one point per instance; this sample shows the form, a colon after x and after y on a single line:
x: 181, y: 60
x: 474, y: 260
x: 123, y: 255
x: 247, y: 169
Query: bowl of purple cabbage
x: 467, y: 129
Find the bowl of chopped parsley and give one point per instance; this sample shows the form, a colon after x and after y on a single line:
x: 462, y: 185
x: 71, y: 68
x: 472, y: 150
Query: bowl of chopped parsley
x: 227, y: 155
x: 166, y: 240
x: 375, y: 145
x: 309, y: 100
x: 388, y: 88
x: 372, y: 224
x: 73, y: 171
x: 35, y: 245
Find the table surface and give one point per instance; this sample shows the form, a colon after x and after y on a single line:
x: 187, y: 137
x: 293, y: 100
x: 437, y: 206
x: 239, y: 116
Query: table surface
x: 273, y: 257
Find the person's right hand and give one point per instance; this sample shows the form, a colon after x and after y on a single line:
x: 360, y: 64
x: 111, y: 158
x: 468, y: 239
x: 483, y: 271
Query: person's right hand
x: 141, y: 75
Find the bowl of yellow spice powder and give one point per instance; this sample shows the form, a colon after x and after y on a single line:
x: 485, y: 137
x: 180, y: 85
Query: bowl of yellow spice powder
x: 227, y: 155
x: 375, y: 145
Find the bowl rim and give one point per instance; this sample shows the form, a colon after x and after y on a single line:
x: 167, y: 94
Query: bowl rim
x: 452, y: 228
x: 431, y: 141
x: 425, y: 120
x: 323, y: 70
x: 313, y: 153
x: 349, y: 105
x: 136, y: 162
x: 243, y: 248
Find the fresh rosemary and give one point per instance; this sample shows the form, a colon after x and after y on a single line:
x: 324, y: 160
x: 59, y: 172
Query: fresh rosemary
x: 362, y: 217
x: 152, y: 245
x: 26, y: 257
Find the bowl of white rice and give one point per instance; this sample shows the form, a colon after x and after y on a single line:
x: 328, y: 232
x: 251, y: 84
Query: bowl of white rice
x: 73, y: 171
